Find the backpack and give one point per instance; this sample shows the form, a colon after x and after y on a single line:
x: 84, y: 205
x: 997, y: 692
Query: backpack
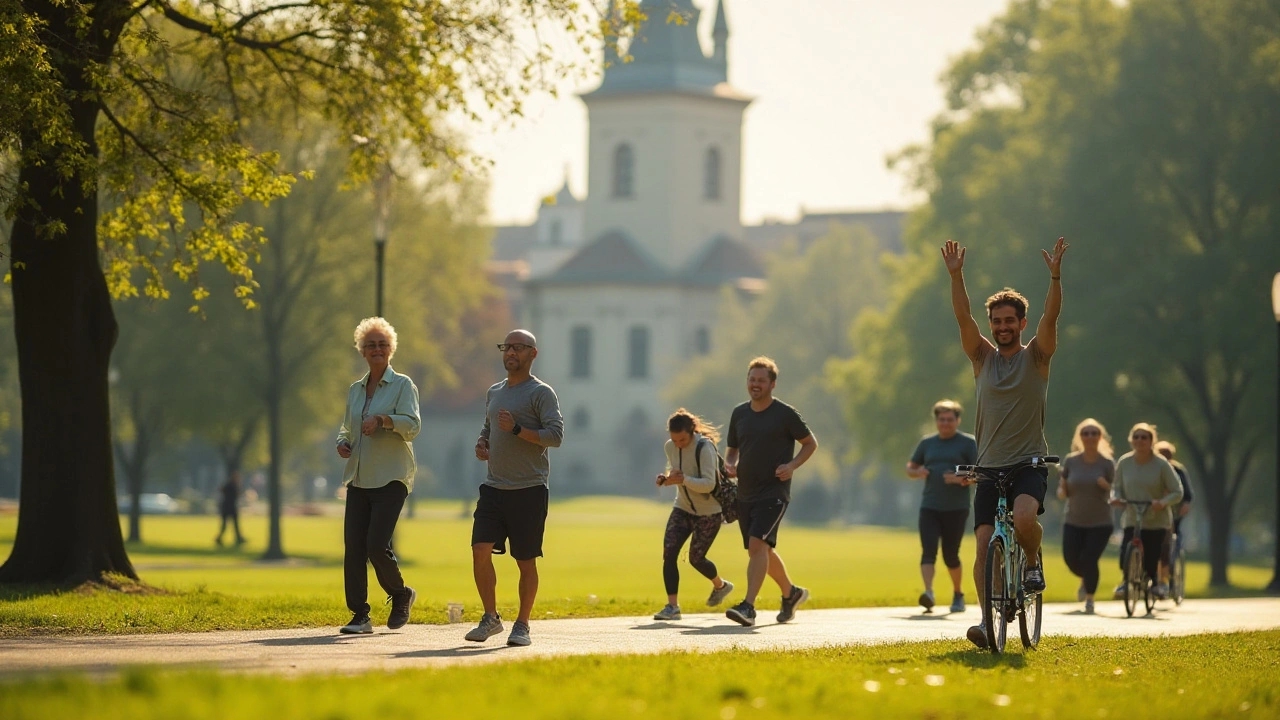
x: 726, y: 490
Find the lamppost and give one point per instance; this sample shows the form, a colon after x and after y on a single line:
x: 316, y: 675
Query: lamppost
x: 1275, y: 309
x: 381, y: 209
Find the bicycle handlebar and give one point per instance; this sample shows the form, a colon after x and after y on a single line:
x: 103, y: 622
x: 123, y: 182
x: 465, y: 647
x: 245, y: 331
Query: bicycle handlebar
x: 975, y: 470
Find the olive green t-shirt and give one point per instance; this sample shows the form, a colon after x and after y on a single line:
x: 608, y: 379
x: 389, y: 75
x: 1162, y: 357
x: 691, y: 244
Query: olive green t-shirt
x: 942, y: 456
x: 1011, y: 409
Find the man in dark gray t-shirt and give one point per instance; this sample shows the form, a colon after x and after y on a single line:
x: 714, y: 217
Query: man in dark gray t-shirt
x: 522, y: 420
x: 762, y: 454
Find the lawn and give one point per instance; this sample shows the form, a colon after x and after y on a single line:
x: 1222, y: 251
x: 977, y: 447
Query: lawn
x: 603, y: 557
x: 1232, y: 675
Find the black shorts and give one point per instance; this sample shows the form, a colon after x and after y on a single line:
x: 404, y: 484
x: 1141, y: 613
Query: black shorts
x: 518, y: 515
x: 1033, y: 481
x: 760, y: 519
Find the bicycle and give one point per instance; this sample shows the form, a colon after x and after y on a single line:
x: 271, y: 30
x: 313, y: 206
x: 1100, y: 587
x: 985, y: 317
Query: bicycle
x: 1005, y: 597
x: 1178, y: 570
x: 1136, y: 581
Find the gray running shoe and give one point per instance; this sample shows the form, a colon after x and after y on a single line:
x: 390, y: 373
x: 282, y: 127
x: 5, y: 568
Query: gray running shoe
x: 669, y: 612
x: 744, y: 613
x: 789, y: 604
x: 489, y: 626
x: 1033, y: 579
x: 399, y: 616
x: 360, y: 625
x: 926, y: 600
x: 519, y: 634
x: 977, y: 635
x: 719, y: 594
x: 957, y: 603
x: 1088, y: 607
x: 1161, y: 591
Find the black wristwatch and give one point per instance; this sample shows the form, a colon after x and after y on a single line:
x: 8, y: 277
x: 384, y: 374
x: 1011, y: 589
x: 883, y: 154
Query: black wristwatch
x: 516, y: 430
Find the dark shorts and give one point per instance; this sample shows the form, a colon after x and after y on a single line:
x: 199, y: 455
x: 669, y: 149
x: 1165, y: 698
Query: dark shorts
x: 516, y: 515
x: 760, y: 519
x: 1033, y: 481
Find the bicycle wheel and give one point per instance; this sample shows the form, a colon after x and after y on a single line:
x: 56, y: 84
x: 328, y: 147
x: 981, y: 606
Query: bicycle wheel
x: 1132, y: 577
x: 993, y: 612
x: 1179, y: 571
x: 1029, y: 617
x: 1148, y: 592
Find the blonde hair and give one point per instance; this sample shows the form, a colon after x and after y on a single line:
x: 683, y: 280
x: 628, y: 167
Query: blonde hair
x: 684, y: 421
x: 1164, y: 445
x: 376, y: 323
x: 1104, y: 442
x: 767, y: 363
x: 950, y: 406
x: 1147, y: 427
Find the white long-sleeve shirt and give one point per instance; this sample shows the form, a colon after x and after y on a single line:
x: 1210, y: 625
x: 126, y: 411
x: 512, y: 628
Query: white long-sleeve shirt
x: 695, y: 495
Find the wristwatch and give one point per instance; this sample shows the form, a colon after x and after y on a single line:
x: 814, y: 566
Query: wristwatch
x: 516, y: 430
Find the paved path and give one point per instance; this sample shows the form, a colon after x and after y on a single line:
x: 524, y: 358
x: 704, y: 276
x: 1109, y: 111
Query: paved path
x: 324, y: 651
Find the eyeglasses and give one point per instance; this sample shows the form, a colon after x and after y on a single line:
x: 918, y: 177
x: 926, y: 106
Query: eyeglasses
x: 518, y: 347
x: 376, y: 345
x: 1141, y: 437
x: 1090, y: 433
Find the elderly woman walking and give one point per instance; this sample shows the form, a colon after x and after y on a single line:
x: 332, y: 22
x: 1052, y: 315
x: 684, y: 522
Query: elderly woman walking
x: 1085, y: 478
x: 376, y: 441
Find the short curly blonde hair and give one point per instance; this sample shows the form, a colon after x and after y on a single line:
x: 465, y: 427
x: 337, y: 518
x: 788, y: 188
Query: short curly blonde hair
x: 376, y: 323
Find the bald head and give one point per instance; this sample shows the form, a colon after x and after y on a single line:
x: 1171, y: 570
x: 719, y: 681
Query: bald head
x: 522, y: 336
x: 518, y: 353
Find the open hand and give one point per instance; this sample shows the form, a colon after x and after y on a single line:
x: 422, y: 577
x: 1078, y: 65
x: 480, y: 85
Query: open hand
x: 371, y: 424
x: 482, y: 449
x: 953, y: 256
x: 1054, y: 261
x: 506, y: 421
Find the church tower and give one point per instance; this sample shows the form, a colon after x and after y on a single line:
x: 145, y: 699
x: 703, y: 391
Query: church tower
x: 665, y: 141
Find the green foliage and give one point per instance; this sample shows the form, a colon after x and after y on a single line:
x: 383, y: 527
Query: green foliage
x: 1144, y: 133
x: 177, y: 87
x: 1198, y: 676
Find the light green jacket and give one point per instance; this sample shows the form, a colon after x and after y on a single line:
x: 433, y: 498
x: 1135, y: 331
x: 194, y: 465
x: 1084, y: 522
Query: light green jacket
x: 386, y: 455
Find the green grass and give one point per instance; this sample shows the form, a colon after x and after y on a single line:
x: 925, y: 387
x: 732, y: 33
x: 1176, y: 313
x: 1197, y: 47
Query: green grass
x: 1204, y: 676
x: 606, y: 548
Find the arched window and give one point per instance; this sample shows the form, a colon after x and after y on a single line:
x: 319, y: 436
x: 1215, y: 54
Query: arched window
x: 623, y: 171
x: 711, y: 174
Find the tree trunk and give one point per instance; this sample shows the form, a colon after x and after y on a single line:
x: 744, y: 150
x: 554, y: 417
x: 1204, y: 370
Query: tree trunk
x: 275, y: 548
x: 68, y: 526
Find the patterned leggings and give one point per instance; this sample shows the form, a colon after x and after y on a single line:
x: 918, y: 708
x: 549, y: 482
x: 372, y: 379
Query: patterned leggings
x: 680, y: 526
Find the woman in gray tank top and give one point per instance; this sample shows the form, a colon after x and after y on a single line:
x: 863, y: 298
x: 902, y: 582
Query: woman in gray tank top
x: 1084, y: 481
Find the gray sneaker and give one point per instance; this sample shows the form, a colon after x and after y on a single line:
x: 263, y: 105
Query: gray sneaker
x: 789, y: 604
x: 519, y: 634
x: 1088, y: 607
x: 926, y: 600
x: 977, y: 635
x: 360, y: 625
x: 669, y: 612
x: 957, y: 603
x: 719, y: 594
x: 489, y: 626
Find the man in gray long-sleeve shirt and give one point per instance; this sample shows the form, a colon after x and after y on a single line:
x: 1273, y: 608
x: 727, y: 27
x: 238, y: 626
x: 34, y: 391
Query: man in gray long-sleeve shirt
x: 513, y: 498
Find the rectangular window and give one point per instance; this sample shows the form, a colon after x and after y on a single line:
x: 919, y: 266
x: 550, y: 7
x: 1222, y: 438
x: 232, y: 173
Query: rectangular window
x: 638, y: 352
x: 580, y: 355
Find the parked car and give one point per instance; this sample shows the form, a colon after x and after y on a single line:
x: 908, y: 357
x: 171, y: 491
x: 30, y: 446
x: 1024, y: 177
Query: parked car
x: 150, y: 504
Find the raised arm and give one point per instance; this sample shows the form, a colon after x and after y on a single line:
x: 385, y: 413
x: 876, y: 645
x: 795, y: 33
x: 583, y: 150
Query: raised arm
x: 1046, y: 339
x: 975, y: 346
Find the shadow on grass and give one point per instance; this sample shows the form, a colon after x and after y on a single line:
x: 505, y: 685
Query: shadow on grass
x: 462, y: 651
x: 140, y: 551
x: 984, y: 659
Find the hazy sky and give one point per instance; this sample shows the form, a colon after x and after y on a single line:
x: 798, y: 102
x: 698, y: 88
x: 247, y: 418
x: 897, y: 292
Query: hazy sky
x: 839, y: 85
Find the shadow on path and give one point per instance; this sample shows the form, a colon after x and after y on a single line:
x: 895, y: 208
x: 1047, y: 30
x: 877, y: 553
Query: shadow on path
x: 462, y: 651
x: 310, y: 640
x: 720, y: 630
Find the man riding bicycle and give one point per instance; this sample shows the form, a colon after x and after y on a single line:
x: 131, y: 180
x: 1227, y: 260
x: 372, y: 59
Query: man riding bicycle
x: 1012, y: 383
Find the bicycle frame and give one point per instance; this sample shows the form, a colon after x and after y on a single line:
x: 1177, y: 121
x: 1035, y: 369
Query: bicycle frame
x: 1013, y: 599
x: 1139, y: 584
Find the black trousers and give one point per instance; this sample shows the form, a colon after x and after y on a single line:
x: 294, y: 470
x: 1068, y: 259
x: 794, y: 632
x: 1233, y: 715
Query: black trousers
x: 369, y: 522
x: 947, y: 526
x: 1082, y: 548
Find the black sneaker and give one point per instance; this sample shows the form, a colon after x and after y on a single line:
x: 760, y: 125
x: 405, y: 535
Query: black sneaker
x: 1033, y: 579
x: 399, y: 616
x: 744, y: 613
x: 978, y: 636
x: 789, y: 604
x: 359, y: 625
